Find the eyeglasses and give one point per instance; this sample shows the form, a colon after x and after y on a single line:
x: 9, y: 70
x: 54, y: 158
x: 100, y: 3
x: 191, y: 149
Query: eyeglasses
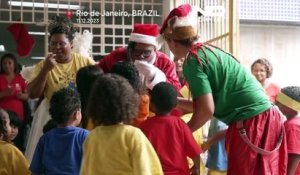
x: 60, y: 44
x: 144, y: 53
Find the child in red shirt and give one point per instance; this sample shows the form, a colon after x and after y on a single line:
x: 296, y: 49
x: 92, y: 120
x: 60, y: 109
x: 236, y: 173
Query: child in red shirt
x: 170, y: 136
x: 288, y: 101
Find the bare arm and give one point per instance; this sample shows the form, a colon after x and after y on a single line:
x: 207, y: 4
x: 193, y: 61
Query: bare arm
x: 203, y: 110
x: 185, y: 104
x: 37, y: 86
x: 213, y: 139
x: 293, y: 161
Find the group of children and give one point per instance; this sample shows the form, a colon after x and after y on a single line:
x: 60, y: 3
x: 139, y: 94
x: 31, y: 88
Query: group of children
x: 114, y: 146
x: 160, y: 146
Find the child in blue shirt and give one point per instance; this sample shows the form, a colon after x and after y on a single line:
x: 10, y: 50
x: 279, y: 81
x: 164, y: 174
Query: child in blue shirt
x: 217, y: 157
x: 59, y: 151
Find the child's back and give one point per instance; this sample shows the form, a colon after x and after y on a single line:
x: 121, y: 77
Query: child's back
x: 173, y: 142
x: 57, y: 147
x: 292, y: 128
x: 12, y: 160
x: 85, y: 78
x: 59, y: 151
x: 113, y: 147
x: 169, y: 135
x: 288, y: 101
x: 124, y: 150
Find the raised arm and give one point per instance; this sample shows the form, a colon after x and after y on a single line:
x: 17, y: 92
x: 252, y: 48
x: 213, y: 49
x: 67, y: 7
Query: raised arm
x: 36, y: 86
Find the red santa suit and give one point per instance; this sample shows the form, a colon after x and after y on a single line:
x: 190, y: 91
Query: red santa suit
x: 159, y: 69
x: 162, y: 62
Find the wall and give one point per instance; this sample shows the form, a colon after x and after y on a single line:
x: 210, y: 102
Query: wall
x: 278, y: 43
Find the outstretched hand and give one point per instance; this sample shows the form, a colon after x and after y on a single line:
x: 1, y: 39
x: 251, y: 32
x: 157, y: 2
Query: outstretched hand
x: 206, y: 146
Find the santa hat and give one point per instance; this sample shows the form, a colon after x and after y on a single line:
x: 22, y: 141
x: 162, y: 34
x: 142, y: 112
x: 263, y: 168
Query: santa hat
x: 145, y: 33
x: 181, y: 23
x: 24, y: 41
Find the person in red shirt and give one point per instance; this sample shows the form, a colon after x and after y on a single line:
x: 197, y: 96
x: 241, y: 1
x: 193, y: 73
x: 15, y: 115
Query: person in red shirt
x: 12, y: 86
x: 142, y: 49
x: 288, y: 101
x: 13, y: 94
x: 170, y: 136
x: 262, y: 69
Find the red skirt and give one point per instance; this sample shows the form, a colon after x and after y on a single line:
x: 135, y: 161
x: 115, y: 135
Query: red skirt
x: 263, y: 131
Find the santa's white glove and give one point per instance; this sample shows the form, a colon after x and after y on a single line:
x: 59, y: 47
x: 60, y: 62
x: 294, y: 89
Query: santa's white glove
x: 152, y: 75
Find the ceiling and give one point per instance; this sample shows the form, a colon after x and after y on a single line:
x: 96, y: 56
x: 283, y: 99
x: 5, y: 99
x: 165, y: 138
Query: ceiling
x: 34, y: 19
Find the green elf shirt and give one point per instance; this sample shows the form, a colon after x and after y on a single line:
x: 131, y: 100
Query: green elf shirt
x: 237, y: 94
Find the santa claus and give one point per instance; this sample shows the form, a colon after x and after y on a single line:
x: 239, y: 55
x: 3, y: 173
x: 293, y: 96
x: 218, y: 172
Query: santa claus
x: 142, y: 50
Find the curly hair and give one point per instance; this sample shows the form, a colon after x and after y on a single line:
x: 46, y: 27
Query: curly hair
x: 62, y: 25
x: 164, y: 97
x: 112, y: 100
x: 292, y: 91
x: 51, y: 124
x: 85, y: 78
x: 63, y: 104
x: 129, y: 71
x: 3, y: 128
x: 13, y: 58
x: 268, y: 66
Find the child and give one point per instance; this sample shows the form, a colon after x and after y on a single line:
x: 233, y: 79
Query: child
x: 15, y: 124
x: 12, y: 161
x: 114, y: 147
x: 59, y: 151
x: 169, y: 135
x: 85, y: 78
x: 217, y: 158
x: 288, y: 101
x: 129, y: 71
x: 51, y: 124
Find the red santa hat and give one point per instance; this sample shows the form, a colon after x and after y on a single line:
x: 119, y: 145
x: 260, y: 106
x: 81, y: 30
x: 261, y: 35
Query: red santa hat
x: 24, y: 41
x: 181, y: 23
x: 145, y: 33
